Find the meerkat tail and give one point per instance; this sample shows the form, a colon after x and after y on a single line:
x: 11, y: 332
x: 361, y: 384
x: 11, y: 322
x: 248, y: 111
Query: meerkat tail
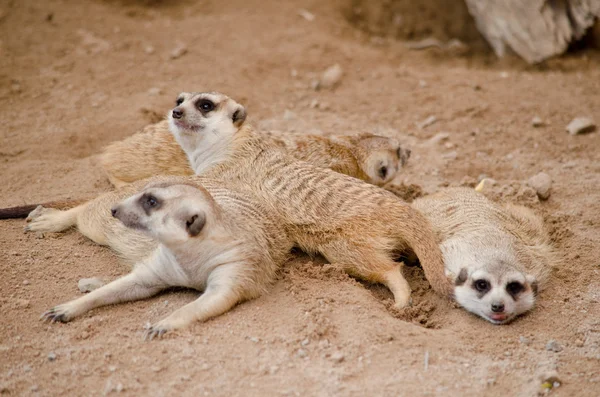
x: 23, y: 211
x: 419, y: 235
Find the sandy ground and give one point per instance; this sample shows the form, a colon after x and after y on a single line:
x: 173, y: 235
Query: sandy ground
x: 75, y: 76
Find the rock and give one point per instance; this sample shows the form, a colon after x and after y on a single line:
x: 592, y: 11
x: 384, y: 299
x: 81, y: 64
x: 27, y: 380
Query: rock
x: 331, y: 77
x: 21, y: 304
x: 301, y: 353
x: 525, y: 341
x: 154, y: 91
x: 337, y: 357
x: 537, y: 122
x: 149, y: 49
x: 26, y: 282
x: 305, y: 342
x: 542, y: 184
x: 314, y: 104
x: 89, y: 284
x: 309, y: 16
x: 450, y: 155
x: 51, y: 356
x: 427, y: 122
x: 581, y: 125
x: 179, y: 51
x: 553, y: 346
x: 439, y: 137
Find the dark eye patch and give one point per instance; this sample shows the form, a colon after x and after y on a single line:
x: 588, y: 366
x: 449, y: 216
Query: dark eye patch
x: 205, y: 105
x: 481, y: 286
x: 514, y: 288
x: 149, y: 203
x: 179, y: 101
x: 383, y: 172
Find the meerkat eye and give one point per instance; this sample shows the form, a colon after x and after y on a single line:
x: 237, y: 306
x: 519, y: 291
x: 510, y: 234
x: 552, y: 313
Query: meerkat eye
x: 179, y: 101
x: 514, y: 288
x: 205, y: 105
x: 151, y: 201
x: 482, y: 285
x: 383, y: 172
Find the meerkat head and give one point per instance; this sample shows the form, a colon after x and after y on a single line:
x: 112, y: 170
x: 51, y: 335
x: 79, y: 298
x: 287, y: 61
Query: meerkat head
x: 170, y: 213
x: 495, y: 291
x: 382, y: 157
x: 201, y: 113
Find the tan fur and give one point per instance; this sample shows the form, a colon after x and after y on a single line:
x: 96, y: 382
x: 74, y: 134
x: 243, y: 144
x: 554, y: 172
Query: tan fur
x: 351, y: 223
x: 154, y: 151
x: 232, y: 256
x: 497, y: 242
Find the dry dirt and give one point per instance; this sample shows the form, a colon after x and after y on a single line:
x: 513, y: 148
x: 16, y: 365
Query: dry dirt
x: 75, y: 76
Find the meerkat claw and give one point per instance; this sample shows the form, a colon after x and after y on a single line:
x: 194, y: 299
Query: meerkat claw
x: 54, y: 316
x: 154, y: 332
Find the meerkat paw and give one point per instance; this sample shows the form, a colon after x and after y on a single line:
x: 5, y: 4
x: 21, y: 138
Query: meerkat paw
x: 403, y: 303
x: 157, y: 330
x: 60, y: 313
x: 44, y: 219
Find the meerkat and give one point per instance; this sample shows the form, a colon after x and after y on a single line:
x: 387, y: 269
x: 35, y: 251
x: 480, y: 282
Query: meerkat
x: 153, y: 151
x: 223, y: 243
x: 499, y: 256
x: 351, y: 223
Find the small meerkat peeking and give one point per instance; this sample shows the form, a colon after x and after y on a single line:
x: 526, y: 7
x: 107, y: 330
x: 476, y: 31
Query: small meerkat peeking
x: 499, y: 256
x: 229, y: 248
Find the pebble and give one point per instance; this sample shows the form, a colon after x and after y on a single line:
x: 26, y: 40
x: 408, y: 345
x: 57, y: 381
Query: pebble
x: 450, y: 155
x: 26, y: 282
x: 537, y: 122
x: 337, y: 357
x: 524, y: 340
x: 309, y: 16
x: 51, y: 356
x: 332, y: 76
x: 302, y: 353
x: 154, y: 91
x: 254, y: 339
x: 34, y: 388
x: 305, y: 342
x: 89, y: 284
x: 542, y: 183
x: 179, y: 51
x: 553, y: 346
x: 440, y: 137
x: 22, y: 304
x: 427, y: 122
x: 581, y: 125
x: 149, y: 49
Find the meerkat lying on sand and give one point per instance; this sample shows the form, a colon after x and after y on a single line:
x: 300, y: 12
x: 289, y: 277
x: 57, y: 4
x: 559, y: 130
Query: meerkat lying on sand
x: 223, y: 243
x: 499, y: 256
x: 154, y: 151
x: 351, y: 223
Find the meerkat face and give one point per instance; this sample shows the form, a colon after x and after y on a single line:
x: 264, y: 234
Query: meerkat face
x: 172, y: 214
x: 384, y: 158
x: 498, y: 297
x: 206, y: 113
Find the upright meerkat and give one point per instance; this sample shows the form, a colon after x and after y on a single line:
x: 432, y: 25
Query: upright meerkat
x: 154, y: 151
x: 351, y: 223
x: 499, y: 256
x: 223, y: 243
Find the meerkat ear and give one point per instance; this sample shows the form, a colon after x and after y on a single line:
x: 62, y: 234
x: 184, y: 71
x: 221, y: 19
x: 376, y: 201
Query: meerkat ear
x: 194, y: 223
x: 239, y: 115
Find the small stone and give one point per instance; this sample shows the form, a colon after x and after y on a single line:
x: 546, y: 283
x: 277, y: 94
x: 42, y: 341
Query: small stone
x: 119, y: 388
x: 26, y: 282
x: 525, y: 341
x: 301, y: 353
x: 579, y: 343
x: 315, y: 84
x: 294, y: 73
x: 51, y: 356
x: 149, y: 49
x: 337, y: 357
x: 89, y: 284
x: 332, y: 76
x: 542, y: 184
x: 314, y: 104
x: 154, y: 91
x: 553, y: 346
x: 422, y: 83
x: 156, y: 369
x: 450, y: 155
x: 440, y: 137
x: 179, y: 51
x: 581, y: 125
x: 309, y: 16
x: 537, y: 122
x: 305, y: 342
x: 254, y: 339
x: 427, y: 122
x: 34, y: 388
x: 22, y: 304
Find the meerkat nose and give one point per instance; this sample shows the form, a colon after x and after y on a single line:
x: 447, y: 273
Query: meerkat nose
x: 114, y: 212
x: 177, y: 113
x: 497, y: 307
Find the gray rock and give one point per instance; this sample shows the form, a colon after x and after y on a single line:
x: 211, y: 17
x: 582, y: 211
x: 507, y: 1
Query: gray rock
x: 553, y: 346
x: 581, y: 125
x: 537, y: 122
x: 542, y: 184
x: 51, y: 356
x: 337, y: 357
x: 89, y: 284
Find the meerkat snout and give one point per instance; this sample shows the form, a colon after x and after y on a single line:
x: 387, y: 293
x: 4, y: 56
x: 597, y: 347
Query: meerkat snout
x: 177, y: 113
